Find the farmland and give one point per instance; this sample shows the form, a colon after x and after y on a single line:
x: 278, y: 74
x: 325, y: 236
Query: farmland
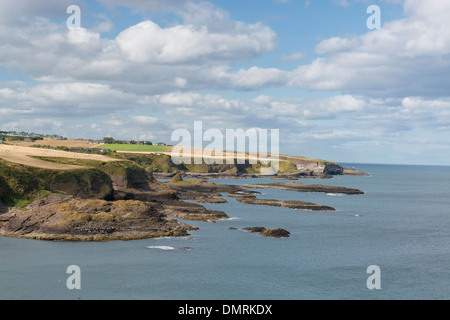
x: 135, y: 148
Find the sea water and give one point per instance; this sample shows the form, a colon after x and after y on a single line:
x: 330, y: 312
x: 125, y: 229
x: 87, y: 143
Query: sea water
x: 401, y: 224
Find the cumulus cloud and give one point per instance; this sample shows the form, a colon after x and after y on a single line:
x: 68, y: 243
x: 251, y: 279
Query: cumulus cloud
x: 405, y: 57
x: 147, y: 42
x: 144, y: 57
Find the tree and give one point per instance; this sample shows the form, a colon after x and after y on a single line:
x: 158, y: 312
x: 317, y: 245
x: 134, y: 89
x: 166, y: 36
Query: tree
x: 108, y: 140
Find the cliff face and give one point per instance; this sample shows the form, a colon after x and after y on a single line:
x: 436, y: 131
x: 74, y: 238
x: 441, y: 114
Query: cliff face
x: 288, y: 164
x: 21, y: 184
x: 333, y: 169
x: 318, y: 167
x: 126, y: 174
x: 91, y: 183
x: 84, y: 204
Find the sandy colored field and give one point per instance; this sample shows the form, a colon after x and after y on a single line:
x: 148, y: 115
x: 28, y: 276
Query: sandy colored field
x: 23, y: 155
x: 207, y: 154
x: 70, y: 143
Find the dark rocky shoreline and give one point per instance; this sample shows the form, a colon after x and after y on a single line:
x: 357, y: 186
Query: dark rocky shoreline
x: 300, y: 187
x: 122, y: 201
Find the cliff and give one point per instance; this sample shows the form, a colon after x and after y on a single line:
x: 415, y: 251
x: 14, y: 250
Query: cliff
x: 108, y: 201
x: 163, y: 167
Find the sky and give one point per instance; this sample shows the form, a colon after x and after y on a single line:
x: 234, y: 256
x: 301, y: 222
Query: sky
x: 139, y: 70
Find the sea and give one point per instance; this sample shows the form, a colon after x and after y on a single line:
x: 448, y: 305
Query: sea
x: 400, y: 227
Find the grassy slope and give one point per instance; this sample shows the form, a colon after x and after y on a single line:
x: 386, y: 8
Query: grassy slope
x: 20, y: 185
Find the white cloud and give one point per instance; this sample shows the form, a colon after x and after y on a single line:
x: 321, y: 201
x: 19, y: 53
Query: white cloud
x: 147, y: 42
x: 153, y: 78
x: 143, y: 58
x: 405, y: 57
x: 257, y: 77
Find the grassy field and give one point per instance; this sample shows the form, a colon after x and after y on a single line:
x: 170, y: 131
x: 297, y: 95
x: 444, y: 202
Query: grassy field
x: 134, y: 147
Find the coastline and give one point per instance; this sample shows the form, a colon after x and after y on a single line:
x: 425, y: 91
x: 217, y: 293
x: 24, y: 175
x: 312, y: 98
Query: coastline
x: 121, y: 200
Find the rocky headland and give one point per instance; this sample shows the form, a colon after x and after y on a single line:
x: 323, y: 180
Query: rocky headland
x: 122, y: 199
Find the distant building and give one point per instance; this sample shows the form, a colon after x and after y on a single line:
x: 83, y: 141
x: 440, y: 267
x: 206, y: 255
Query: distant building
x: 100, y: 149
x: 161, y: 144
x: 96, y: 142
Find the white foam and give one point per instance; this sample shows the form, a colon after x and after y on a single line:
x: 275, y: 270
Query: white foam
x: 233, y: 218
x: 335, y: 194
x: 161, y: 247
x: 163, y: 238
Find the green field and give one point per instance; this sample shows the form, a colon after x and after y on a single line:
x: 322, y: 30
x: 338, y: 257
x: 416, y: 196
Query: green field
x: 134, y: 147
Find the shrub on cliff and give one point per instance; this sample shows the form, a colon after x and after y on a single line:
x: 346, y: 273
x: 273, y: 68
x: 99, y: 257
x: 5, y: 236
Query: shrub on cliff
x: 88, y: 183
x: 132, y: 174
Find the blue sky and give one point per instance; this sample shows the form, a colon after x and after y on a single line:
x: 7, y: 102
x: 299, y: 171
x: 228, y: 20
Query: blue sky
x: 141, y: 69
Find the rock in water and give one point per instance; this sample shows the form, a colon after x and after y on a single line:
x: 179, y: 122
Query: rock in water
x: 176, y: 178
x: 255, y: 229
x: 276, y: 233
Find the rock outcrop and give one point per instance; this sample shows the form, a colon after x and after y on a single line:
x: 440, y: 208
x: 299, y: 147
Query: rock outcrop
x: 176, y: 178
x: 204, y: 191
x: 62, y: 217
x: 316, y: 167
x: 274, y: 232
x: 292, y: 204
x: 84, y: 183
x: 300, y: 187
x: 254, y: 229
x: 191, y: 211
x: 354, y: 172
x: 120, y: 200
